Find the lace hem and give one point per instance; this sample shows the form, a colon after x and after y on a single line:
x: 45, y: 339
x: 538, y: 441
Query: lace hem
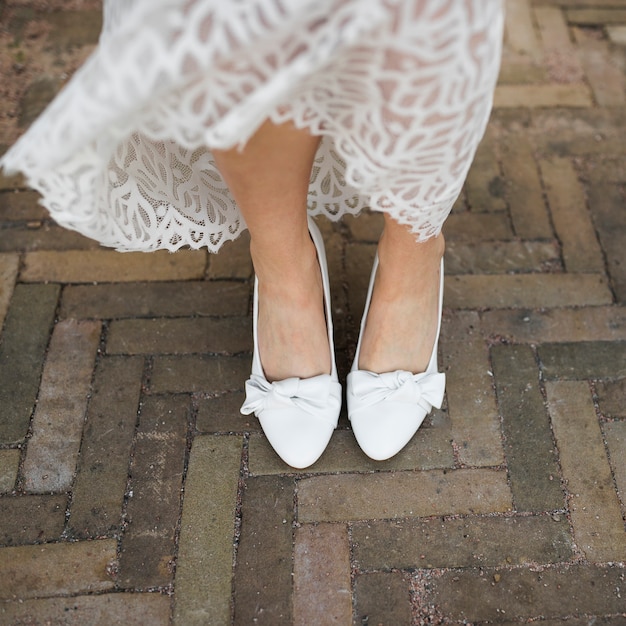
x: 401, y: 91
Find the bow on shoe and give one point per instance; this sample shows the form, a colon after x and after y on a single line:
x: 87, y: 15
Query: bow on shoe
x: 425, y: 389
x: 316, y: 396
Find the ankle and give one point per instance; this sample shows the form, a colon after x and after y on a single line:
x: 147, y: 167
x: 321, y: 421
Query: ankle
x: 405, y: 264
x: 398, y: 246
x: 285, y: 267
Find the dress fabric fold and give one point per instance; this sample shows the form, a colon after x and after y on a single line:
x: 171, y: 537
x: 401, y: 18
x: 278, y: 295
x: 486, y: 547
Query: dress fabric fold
x: 399, y: 90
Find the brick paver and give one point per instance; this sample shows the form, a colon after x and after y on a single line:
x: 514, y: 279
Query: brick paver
x: 57, y: 422
x: 22, y: 351
x: 593, y: 503
x: 205, y: 555
x: 52, y: 569
x: 8, y: 273
x: 472, y: 402
x: 407, y: 494
x: 73, y: 266
x: 148, y: 547
x: 382, y: 598
x: 322, y: 585
x: 135, y: 609
x: 9, y: 463
x: 107, y: 442
x: 133, y: 491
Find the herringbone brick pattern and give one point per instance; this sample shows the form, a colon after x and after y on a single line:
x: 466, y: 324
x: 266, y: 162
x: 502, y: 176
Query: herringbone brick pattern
x: 134, y: 492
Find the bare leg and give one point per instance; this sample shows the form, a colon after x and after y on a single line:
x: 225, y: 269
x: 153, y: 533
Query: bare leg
x: 269, y: 180
x: 402, y: 319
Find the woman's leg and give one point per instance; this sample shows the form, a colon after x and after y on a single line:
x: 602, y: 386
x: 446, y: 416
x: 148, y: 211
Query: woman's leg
x: 402, y: 319
x: 269, y: 180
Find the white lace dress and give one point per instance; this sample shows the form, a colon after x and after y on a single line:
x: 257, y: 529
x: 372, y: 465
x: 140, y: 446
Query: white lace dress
x: 400, y: 90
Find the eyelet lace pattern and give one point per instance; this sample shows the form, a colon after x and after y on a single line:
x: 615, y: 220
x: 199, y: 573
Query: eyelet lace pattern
x: 400, y: 90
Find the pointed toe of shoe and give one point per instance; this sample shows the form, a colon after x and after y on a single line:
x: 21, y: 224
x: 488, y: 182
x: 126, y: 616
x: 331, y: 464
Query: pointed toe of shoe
x: 382, y: 432
x: 298, y: 439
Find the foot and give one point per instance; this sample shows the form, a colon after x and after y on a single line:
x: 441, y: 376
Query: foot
x: 292, y: 332
x: 402, y: 320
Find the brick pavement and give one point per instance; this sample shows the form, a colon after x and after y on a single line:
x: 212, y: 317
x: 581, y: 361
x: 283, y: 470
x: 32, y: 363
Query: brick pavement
x: 132, y: 490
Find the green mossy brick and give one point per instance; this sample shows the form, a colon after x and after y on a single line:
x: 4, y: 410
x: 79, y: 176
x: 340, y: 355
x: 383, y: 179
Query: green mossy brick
x: 206, y: 374
x: 200, y: 335
x: 204, y: 568
x: 583, y: 360
x: 22, y: 352
x: 9, y: 464
x: 430, y: 448
x: 529, y: 448
x: 70, y: 29
x: 155, y: 299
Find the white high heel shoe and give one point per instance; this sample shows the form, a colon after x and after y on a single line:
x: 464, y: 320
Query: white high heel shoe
x: 298, y: 415
x: 386, y: 410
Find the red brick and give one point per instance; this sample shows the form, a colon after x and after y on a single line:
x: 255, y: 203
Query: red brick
x: 148, y: 550
x: 322, y: 585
